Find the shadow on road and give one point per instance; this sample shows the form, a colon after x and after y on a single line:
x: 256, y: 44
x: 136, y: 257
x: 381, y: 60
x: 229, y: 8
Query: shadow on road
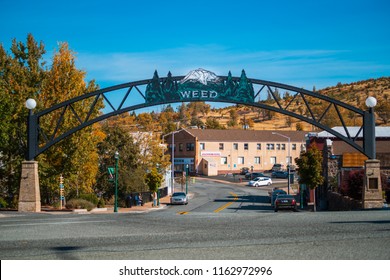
x: 65, y: 252
x: 252, y: 202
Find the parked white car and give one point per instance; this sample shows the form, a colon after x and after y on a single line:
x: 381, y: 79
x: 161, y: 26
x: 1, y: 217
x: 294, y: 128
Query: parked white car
x: 179, y: 198
x: 260, y: 181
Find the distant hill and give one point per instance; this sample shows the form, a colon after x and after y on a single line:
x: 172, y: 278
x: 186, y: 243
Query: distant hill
x: 353, y: 94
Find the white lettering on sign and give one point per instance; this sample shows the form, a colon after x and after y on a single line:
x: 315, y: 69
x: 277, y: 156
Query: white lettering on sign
x: 198, y: 94
x: 210, y: 154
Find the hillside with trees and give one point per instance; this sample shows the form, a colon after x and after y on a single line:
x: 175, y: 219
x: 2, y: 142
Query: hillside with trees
x: 203, y: 115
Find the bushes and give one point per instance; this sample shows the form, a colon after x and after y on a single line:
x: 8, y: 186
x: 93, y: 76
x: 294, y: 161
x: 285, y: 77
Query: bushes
x: 101, y: 203
x: 78, y: 203
x: 353, y: 187
x: 91, y: 197
x: 3, y: 203
x: 86, y: 201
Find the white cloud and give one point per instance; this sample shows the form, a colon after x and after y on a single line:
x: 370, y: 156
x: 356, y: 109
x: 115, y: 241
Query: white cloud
x: 301, y: 68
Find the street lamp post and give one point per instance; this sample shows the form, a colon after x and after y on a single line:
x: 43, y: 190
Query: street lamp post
x: 173, y: 162
x: 369, y: 128
x: 31, y: 129
x: 172, y: 159
x: 289, y: 163
x: 116, y: 156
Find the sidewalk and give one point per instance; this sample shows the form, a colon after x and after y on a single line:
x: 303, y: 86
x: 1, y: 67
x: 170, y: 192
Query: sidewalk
x: 147, y: 207
x: 164, y: 201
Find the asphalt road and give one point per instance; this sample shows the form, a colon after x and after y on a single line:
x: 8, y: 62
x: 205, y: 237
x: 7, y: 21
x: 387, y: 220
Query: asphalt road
x: 222, y: 221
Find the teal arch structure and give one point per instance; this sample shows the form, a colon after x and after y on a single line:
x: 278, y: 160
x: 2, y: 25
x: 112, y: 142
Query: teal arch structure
x: 201, y: 85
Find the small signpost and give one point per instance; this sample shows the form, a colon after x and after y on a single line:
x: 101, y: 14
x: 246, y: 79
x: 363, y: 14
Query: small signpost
x: 62, y: 195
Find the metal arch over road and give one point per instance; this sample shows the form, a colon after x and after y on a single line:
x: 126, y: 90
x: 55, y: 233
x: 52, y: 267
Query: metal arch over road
x: 201, y: 85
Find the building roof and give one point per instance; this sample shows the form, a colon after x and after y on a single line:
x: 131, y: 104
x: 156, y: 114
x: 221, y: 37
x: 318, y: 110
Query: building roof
x: 380, y: 132
x: 240, y: 135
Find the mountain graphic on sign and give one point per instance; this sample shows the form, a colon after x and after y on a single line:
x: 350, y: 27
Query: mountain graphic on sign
x: 199, y: 85
x: 202, y: 76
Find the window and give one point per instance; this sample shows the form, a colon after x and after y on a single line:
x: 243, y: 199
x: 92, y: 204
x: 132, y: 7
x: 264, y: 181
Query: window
x: 202, y: 146
x: 181, y: 147
x: 257, y: 160
x: 240, y: 160
x: 270, y: 146
x: 273, y: 160
x: 221, y: 146
x: 278, y: 146
x: 283, y: 146
x: 174, y: 147
x: 235, y: 146
x: 190, y: 147
x: 294, y: 146
x: 258, y: 146
x: 246, y: 146
x: 224, y: 160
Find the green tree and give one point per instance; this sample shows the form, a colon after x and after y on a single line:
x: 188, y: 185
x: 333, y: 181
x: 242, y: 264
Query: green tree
x: 21, y: 75
x: 233, y: 117
x: 299, y: 126
x: 131, y: 172
x: 195, y: 121
x: 310, y: 168
x: 184, y: 114
x: 212, y: 123
x: 383, y: 111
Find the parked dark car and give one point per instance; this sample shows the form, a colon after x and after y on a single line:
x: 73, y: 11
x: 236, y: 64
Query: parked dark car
x: 279, y: 174
x: 274, y: 194
x: 285, y: 201
x: 252, y: 175
x: 244, y: 170
x: 277, y: 167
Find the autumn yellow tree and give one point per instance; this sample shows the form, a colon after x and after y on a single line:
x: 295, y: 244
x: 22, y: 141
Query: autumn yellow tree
x: 75, y: 157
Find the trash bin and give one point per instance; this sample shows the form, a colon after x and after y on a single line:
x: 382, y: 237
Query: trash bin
x: 128, y: 201
x: 291, y: 178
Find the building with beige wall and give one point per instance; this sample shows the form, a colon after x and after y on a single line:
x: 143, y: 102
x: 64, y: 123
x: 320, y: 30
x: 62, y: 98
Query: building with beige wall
x: 211, y: 152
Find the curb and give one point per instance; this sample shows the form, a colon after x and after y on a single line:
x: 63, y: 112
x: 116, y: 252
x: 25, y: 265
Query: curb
x: 98, y: 210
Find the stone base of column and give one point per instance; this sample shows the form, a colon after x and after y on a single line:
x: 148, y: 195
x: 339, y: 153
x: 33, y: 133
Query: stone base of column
x: 29, y: 193
x: 372, y: 189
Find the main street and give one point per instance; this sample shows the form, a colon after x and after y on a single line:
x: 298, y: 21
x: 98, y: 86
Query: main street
x: 221, y: 221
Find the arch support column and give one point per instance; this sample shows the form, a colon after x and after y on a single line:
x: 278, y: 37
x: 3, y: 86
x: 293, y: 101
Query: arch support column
x: 372, y: 188
x: 29, y: 193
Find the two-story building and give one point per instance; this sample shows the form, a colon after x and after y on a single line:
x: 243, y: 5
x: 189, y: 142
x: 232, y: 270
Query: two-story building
x: 211, y: 151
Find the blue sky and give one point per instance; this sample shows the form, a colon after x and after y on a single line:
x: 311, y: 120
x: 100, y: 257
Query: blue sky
x: 301, y: 43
